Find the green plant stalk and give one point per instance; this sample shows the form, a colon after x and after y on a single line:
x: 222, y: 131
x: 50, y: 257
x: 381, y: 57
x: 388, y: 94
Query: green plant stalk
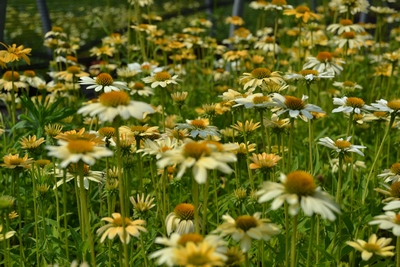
x: 294, y: 240
x: 350, y: 124
x: 288, y: 167
x: 340, y: 179
x: 392, y: 118
x: 164, y: 196
x: 247, y: 150
x: 85, y: 213
x: 143, y: 249
x: 310, y: 146
x: 246, y: 259
x: 64, y: 192
x: 195, y: 192
x: 13, y: 106
x: 57, y: 200
x: 163, y: 108
x: 7, y: 261
x: 16, y: 178
x: 398, y: 251
x: 263, y: 136
x: 317, y: 241
x: 35, y: 212
x: 205, y: 202
x: 78, y: 201
x: 286, y: 234
x: 121, y: 188
x: 311, y: 242
x: 140, y: 166
x: 216, y: 198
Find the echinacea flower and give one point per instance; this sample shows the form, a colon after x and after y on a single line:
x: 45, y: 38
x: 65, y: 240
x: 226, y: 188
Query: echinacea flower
x: 14, y: 161
x: 295, y: 106
x: 374, y: 246
x: 258, y: 100
x: 14, y: 53
x: 115, y: 227
x: 199, y: 127
x: 200, y: 156
x: 258, y: 76
x: 345, y: 25
x: 324, y: 62
x: 73, y: 172
x: 264, y: 161
x: 10, y: 79
x: 302, y: 12
x: 181, y: 220
x: 141, y: 204
x: 349, y: 105
x: 392, y: 106
x: 115, y: 104
x: 201, y: 255
x: 389, y: 221
x: 74, y: 151
x: 298, y: 189
x: 103, y: 82
x: 341, y: 145
x: 309, y: 76
x: 392, y: 174
x: 162, y: 79
x: 7, y: 235
x: 245, y: 228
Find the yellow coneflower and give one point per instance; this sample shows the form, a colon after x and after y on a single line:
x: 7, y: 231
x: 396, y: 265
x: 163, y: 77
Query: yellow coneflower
x: 248, y: 127
x: 10, y: 79
x: 31, y: 143
x: 14, y: 161
x: 264, y: 161
x: 302, y: 12
x: 14, y: 53
x: 374, y: 246
x: 235, y: 20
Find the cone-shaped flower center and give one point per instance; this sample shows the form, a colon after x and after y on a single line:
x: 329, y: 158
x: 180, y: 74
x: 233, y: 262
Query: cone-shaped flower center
x: 395, y: 190
x: 348, y: 84
x: 196, y: 150
x: 302, y: 9
x: 80, y: 146
x: 345, y: 22
x: 269, y: 40
x: 104, y: 79
x: 371, y: 247
x: 294, y: 103
x: 8, y: 76
x: 324, y: 56
x: 397, y: 219
x: 162, y: 76
x: 191, y: 237
x: 300, y: 183
x: 349, y: 35
x: 73, y: 69
x: 184, y: 211
x: 107, y: 132
x: 246, y: 222
x: 279, y: 2
x: 139, y: 129
x: 395, y: 168
x: 261, y: 73
x: 342, y: 144
x: 380, y: 114
x: 138, y: 86
x: 308, y: 72
x: 260, y: 99
x: 16, y: 161
x: 355, y: 102
x: 118, y: 221
x: 394, y: 104
x: 200, y: 124
x: 114, y: 99
x: 29, y: 73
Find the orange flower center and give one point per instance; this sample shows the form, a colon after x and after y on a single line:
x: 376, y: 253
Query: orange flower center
x: 260, y: 99
x: 279, y: 2
x: 394, y: 104
x: 270, y: 40
x: 191, y: 237
x: 56, y: 29
x: 107, y: 132
x: 308, y: 72
x: 372, y: 247
x: 342, y: 144
x: 349, y: 35
x: 345, y: 22
x: 300, y: 183
x: 355, y: 102
x: 196, y: 150
x: 184, y: 211
x: 246, y: 222
x: 104, y: 79
x: 114, y: 99
x: 42, y: 162
x: 395, y: 168
x: 138, y: 86
x: 294, y: 103
x: 395, y: 190
x: 380, y: 114
x: 29, y: 73
x: 118, y: 221
x: 302, y: 9
x: 397, y: 219
x: 348, y: 84
x: 80, y: 146
x: 9, y: 75
x: 200, y: 124
x: 76, y: 70
x: 261, y: 73
x: 162, y: 76
x: 324, y: 56
x: 16, y: 161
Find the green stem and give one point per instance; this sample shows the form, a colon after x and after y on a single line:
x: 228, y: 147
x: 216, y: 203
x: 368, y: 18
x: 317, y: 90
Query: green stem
x: 247, y: 149
x: 205, y: 202
x: 398, y: 252
x: 262, y: 129
x: 288, y: 168
x: 310, y: 146
x: 195, y: 192
x: 64, y: 192
x: 143, y: 251
x: 311, y: 242
x: 35, y: 211
x: 294, y: 240
x: 340, y: 178
x: 392, y: 117
x: 286, y: 234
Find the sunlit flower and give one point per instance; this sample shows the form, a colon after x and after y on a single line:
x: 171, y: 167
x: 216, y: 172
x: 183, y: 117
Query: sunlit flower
x: 392, y: 174
x: 345, y: 25
x: 324, y: 62
x: 374, y: 246
x: 11, y: 78
x: 115, y: 104
x: 104, y: 50
x: 389, y: 220
x: 347, y: 86
x: 392, y: 106
x: 115, y: 227
x: 29, y: 77
x: 257, y: 100
x: 140, y: 89
x: 245, y: 228
x: 200, y: 156
x: 298, y: 189
x: 259, y: 76
x: 14, y: 161
x: 158, y: 147
x: 103, y: 82
x: 235, y: 20
x: 199, y: 127
x: 302, y: 12
x: 31, y: 142
x: 198, y: 255
x: 7, y: 235
x: 349, y: 105
x: 72, y: 74
x: 268, y: 44
x: 181, y: 220
x: 73, y: 172
x: 141, y: 204
x: 341, y: 146
x: 248, y: 127
x: 162, y: 78
x: 14, y: 53
x: 77, y: 150
x: 349, y: 39
x: 264, y: 161
x: 295, y: 106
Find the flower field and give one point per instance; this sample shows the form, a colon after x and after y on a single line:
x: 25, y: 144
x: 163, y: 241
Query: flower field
x: 168, y: 144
